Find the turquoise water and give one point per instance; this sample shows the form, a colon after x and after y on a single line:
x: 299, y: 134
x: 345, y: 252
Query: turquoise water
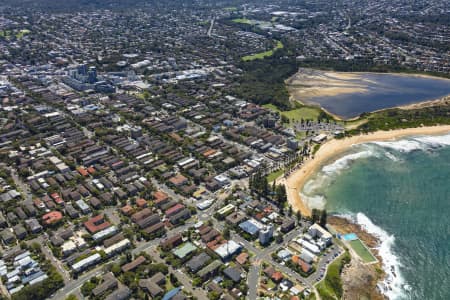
x: 383, y: 91
x: 350, y: 237
x: 399, y: 191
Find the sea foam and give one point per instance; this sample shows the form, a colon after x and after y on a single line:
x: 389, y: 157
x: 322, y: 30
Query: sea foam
x: 435, y: 141
x: 402, y: 145
x: 312, y: 190
x: 416, y: 143
x: 344, y: 162
x: 393, y: 286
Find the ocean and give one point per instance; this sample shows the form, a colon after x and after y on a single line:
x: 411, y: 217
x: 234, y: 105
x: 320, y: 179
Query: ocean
x: 383, y: 91
x: 400, y: 192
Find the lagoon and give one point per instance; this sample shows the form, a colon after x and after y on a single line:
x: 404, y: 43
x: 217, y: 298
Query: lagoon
x: 347, y: 95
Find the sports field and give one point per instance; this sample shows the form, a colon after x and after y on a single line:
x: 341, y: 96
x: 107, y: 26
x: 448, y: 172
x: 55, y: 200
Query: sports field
x: 362, y: 251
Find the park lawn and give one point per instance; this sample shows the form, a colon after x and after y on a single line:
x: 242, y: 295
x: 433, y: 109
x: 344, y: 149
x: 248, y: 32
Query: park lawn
x: 169, y: 286
x: 242, y: 21
x: 362, y: 251
x: 270, y: 284
x: 274, y: 175
x: 5, y: 33
x: 303, y: 112
x: 22, y: 33
x: 331, y: 286
x: 264, y: 54
x: 300, y: 135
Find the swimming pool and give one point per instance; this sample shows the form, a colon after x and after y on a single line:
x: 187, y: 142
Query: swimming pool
x: 350, y: 237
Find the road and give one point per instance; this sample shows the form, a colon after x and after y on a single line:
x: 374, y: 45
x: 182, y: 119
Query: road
x: 252, y: 280
x: 213, y: 20
x: 182, y: 278
x: 21, y: 185
x: 265, y: 255
x: 72, y: 285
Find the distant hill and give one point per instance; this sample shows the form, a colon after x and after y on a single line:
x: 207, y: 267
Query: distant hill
x: 84, y: 5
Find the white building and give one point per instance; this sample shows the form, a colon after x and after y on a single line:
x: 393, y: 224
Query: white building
x: 317, y: 231
x: 265, y: 234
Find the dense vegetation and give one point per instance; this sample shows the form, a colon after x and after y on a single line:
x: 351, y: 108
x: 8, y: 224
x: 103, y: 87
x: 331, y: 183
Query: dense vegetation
x: 331, y: 287
x: 41, y: 290
x: 362, y: 65
x: 399, y: 118
x: 262, y: 80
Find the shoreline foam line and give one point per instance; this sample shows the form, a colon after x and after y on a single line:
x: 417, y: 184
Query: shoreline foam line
x: 329, y: 150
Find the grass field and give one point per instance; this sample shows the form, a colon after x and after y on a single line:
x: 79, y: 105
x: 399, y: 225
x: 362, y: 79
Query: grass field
x: 305, y: 112
x: 362, y: 251
x: 261, y: 55
x: 242, y: 21
x: 7, y: 34
x: 331, y: 286
x: 274, y: 175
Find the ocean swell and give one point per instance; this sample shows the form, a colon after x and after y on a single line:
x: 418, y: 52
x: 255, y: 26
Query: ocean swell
x: 312, y: 192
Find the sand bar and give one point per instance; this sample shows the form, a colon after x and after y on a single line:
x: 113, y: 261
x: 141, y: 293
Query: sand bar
x: 329, y: 150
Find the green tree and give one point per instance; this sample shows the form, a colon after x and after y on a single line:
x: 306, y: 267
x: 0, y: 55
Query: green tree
x: 298, y: 215
x: 323, y: 218
x: 87, y: 287
x: 315, y: 215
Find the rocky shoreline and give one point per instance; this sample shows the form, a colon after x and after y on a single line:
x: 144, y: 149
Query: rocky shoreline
x: 359, y: 280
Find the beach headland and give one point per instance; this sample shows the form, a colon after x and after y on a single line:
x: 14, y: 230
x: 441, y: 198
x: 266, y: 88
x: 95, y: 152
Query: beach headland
x: 330, y: 149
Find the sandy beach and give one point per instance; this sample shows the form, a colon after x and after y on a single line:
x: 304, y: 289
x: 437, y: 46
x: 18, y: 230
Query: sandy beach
x: 308, y: 83
x: 295, y: 182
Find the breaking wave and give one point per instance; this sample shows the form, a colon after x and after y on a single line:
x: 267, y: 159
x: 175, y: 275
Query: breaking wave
x: 416, y: 143
x: 394, y: 285
x: 435, y: 141
x: 344, y: 162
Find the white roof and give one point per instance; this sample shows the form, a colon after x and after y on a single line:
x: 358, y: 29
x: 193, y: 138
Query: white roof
x: 228, y: 249
x: 104, y: 232
x: 117, y: 246
x: 86, y: 262
x: 68, y: 246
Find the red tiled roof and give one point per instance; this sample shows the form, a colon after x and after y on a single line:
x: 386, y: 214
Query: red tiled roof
x: 277, y: 276
x: 141, y: 202
x: 160, y: 196
x: 174, y: 209
x: 127, y: 210
x: 178, y: 179
x: 82, y: 171
x: 52, y: 217
x: 96, y: 224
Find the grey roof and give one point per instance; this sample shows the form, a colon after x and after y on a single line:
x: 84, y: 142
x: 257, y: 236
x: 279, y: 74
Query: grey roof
x: 209, y: 268
x: 233, y: 273
x: 121, y: 294
x: 198, y: 262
